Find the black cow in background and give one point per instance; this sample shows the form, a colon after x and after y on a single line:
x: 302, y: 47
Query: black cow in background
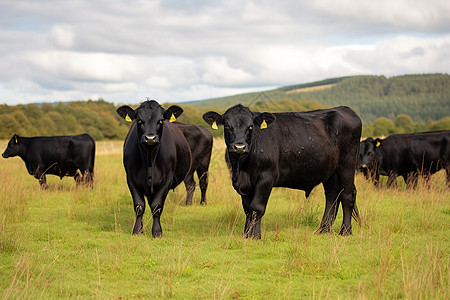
x: 55, y: 155
x: 366, y: 149
x: 408, y: 155
x: 156, y: 157
x: 296, y: 150
x: 200, y: 142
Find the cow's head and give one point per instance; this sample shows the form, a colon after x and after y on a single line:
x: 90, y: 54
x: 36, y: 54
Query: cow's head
x: 150, y: 117
x: 13, y: 147
x: 239, y: 124
x: 367, y: 151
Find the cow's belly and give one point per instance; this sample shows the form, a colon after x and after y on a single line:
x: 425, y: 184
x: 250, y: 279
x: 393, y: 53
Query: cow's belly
x: 306, y: 171
x: 304, y: 179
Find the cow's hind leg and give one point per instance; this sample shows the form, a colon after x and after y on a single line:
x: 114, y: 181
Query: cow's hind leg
x: 202, y: 174
x: 332, y: 195
x: 189, y: 182
x: 348, y: 199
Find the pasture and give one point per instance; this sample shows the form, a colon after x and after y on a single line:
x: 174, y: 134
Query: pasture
x: 77, y: 243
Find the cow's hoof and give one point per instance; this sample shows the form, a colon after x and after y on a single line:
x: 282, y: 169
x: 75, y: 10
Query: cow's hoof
x: 345, y: 230
x: 157, y: 235
x: 324, y: 229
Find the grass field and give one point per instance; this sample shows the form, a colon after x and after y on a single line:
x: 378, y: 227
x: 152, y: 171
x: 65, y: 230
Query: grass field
x: 77, y: 243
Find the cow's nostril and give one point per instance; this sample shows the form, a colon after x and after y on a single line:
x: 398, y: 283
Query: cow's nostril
x: 150, y: 139
x: 240, y: 148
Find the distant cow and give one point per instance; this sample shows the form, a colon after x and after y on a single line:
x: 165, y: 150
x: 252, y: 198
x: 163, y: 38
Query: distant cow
x: 408, y: 155
x: 156, y: 157
x: 200, y: 142
x: 55, y: 155
x: 296, y: 150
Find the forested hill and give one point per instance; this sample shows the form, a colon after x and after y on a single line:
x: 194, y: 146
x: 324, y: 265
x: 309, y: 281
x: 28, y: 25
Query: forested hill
x: 386, y: 105
x: 423, y: 97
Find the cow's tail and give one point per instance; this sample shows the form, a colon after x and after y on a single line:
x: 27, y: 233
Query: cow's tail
x: 355, y: 215
x: 90, y: 171
x: 355, y: 211
x: 91, y: 165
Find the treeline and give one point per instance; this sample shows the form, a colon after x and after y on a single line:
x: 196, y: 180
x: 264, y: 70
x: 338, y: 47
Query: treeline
x: 100, y: 120
x: 402, y: 124
x: 97, y: 118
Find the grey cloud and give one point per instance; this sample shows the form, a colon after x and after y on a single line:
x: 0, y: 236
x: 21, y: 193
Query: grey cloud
x: 198, y: 49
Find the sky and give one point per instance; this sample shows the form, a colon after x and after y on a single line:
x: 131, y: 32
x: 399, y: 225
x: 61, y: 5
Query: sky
x: 124, y: 51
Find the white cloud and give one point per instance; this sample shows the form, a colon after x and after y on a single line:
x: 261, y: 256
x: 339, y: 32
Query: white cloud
x: 62, y: 36
x: 183, y: 50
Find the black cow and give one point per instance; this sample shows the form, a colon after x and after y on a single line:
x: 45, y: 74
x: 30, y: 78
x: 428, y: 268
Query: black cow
x: 200, y: 142
x: 408, y: 155
x: 156, y: 157
x: 55, y: 155
x: 296, y: 150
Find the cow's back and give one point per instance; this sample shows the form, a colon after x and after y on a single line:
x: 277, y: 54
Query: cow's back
x: 304, y: 148
x: 200, y: 142
x: 404, y: 153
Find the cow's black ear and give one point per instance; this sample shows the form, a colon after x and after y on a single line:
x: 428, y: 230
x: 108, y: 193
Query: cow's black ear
x: 172, y: 113
x: 213, y: 119
x: 127, y: 113
x: 377, y: 142
x: 263, y: 120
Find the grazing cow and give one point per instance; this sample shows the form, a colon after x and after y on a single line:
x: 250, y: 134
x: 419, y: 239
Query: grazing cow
x: 296, y: 150
x: 156, y: 157
x: 200, y: 142
x: 408, y: 155
x: 55, y: 155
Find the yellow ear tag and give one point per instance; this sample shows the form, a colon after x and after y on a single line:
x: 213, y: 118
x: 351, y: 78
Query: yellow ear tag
x: 378, y: 144
x: 263, y: 124
x: 214, y: 125
x: 172, y: 118
x: 128, y: 119
x: 16, y: 140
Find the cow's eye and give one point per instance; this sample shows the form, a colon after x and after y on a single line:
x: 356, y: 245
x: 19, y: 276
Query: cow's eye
x: 161, y: 121
x: 140, y: 122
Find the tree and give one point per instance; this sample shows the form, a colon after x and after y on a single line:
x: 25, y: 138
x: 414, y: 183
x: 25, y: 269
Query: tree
x: 404, y: 124
x: 383, y: 127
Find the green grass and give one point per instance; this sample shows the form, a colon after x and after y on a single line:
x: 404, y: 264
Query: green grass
x: 77, y: 243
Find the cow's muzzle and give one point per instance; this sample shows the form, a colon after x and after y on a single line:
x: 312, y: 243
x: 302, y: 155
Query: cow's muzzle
x: 239, y: 148
x: 150, y: 139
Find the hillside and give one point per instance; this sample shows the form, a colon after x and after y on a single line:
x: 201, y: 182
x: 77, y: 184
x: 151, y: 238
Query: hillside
x: 423, y: 97
x: 386, y: 106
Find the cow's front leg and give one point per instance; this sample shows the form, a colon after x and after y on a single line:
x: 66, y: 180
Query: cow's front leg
x: 43, y: 182
x: 258, y: 206
x: 157, y: 205
x: 392, y: 180
x: 139, y: 208
x: 246, y: 200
